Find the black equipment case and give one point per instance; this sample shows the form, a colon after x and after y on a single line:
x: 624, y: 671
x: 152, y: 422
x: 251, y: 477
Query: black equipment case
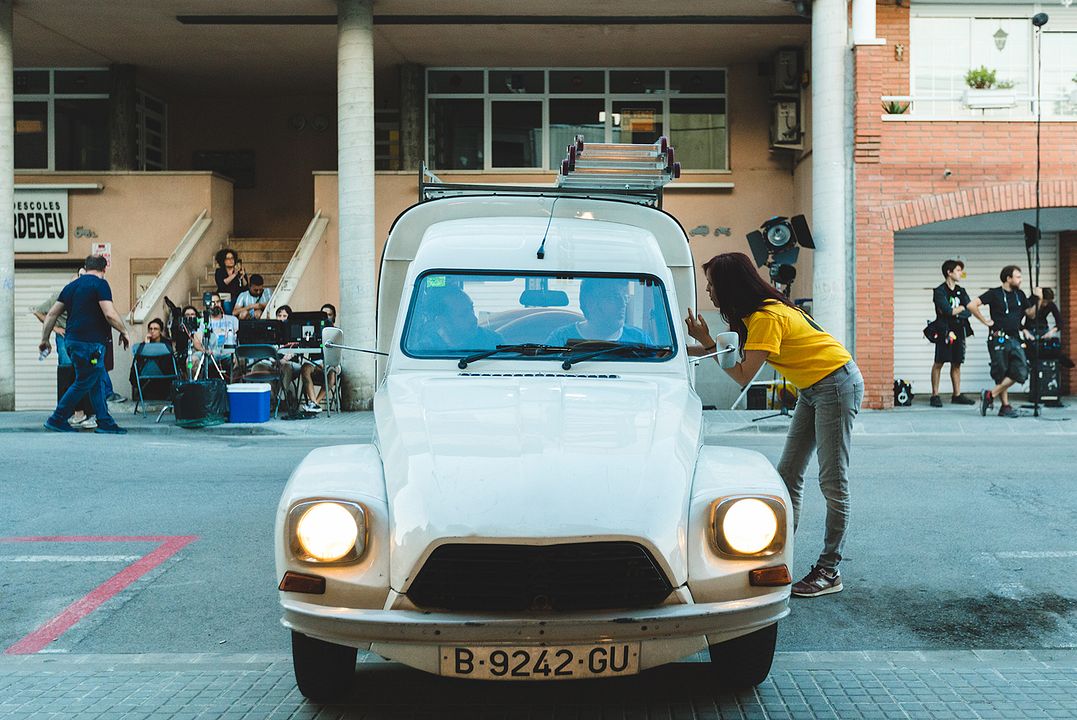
x: 200, y: 403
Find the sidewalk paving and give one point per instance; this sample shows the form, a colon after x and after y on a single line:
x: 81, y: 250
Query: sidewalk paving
x: 917, y: 419
x: 911, y: 685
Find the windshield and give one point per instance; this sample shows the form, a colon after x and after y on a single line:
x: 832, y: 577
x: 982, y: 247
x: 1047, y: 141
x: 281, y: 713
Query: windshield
x: 457, y: 314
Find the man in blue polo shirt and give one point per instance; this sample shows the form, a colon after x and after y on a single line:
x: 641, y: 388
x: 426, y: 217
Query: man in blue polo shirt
x: 90, y: 312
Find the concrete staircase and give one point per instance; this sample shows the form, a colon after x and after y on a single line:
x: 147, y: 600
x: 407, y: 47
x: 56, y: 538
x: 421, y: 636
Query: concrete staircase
x: 265, y: 256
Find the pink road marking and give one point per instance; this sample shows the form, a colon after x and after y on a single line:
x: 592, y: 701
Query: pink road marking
x: 76, y: 611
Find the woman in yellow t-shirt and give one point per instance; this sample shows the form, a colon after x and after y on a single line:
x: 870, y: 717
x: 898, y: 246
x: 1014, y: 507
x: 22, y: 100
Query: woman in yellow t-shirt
x: 773, y: 330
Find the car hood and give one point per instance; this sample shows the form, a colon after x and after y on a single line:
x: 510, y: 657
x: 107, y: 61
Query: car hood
x: 536, y: 460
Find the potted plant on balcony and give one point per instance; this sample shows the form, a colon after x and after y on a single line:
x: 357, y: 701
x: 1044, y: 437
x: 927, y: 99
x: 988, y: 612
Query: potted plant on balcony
x: 985, y: 92
x: 894, y: 107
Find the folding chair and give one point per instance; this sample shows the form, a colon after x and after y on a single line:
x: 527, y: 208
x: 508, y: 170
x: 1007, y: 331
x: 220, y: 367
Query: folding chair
x: 251, y: 357
x: 147, y: 362
x: 331, y: 361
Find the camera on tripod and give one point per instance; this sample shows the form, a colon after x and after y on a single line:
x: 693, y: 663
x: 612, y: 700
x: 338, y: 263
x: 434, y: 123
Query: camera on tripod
x: 777, y: 245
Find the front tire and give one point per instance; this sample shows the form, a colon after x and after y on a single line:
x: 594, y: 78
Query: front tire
x: 323, y: 671
x: 745, y: 661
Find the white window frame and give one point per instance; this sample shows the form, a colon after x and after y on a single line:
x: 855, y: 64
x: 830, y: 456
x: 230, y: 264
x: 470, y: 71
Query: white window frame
x: 1059, y: 24
x: 49, y: 99
x: 544, y: 97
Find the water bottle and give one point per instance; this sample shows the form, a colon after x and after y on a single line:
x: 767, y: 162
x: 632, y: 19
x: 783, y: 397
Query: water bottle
x: 43, y: 354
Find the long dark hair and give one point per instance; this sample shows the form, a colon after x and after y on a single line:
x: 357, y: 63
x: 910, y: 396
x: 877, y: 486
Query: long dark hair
x: 739, y: 289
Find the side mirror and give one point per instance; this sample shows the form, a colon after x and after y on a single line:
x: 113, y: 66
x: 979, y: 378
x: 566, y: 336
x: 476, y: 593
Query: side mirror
x: 728, y: 343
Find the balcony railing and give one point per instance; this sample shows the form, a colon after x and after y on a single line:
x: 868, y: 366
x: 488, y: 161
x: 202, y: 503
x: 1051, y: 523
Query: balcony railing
x: 1015, y: 107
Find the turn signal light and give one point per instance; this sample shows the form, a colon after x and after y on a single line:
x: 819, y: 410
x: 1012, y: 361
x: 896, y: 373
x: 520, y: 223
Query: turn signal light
x: 298, y: 582
x: 770, y: 576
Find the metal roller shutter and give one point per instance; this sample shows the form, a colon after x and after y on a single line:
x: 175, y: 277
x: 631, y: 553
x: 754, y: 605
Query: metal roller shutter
x: 35, y: 381
x: 917, y: 262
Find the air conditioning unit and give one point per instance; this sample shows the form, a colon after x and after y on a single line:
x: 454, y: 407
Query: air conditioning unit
x: 786, y: 75
x: 785, y: 126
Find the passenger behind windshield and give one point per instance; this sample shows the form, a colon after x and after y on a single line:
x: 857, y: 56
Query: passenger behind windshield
x: 450, y: 324
x: 604, y: 302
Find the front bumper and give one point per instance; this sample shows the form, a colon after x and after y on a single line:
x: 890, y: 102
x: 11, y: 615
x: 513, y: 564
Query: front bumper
x: 359, y: 628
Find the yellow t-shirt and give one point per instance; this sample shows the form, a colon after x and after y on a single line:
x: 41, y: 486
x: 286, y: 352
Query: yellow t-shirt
x: 799, y: 349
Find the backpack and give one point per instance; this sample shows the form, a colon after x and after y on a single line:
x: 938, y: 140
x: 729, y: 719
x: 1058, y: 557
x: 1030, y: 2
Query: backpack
x: 902, y: 393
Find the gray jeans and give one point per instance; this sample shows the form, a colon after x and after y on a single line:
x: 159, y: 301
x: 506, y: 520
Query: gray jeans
x: 823, y: 421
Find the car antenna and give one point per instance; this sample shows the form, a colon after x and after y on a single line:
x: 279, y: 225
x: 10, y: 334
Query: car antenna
x: 541, y: 254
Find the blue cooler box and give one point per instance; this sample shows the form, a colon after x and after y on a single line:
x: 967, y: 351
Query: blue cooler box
x: 248, y: 402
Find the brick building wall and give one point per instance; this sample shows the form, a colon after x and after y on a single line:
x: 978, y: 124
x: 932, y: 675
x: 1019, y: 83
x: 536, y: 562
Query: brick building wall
x: 899, y: 166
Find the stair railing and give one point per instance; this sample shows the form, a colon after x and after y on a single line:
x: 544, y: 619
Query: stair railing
x: 178, y: 275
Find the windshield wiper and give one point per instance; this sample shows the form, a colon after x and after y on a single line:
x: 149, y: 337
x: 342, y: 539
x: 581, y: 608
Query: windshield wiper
x: 614, y: 347
x: 522, y: 348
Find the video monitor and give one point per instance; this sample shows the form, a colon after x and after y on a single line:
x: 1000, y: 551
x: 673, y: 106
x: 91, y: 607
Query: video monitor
x: 305, y: 328
x: 261, y: 332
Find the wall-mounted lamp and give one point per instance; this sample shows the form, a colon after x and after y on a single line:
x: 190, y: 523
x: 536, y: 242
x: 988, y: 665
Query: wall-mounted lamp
x: 1000, y: 38
x: 899, y: 52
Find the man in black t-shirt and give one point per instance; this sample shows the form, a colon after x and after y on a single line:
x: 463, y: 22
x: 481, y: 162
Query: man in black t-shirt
x: 1009, y: 365
x: 951, y: 301
x: 90, y: 313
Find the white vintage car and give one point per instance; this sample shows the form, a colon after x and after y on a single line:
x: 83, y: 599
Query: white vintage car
x: 537, y: 503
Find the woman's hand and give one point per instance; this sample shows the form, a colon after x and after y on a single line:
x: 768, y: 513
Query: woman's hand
x: 697, y: 328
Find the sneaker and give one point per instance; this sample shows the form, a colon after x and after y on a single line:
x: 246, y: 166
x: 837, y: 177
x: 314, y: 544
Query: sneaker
x: 110, y: 430
x: 936, y: 401
x: 116, y: 398
x: 986, y: 401
x: 961, y: 400
x: 89, y: 423
x: 1008, y: 411
x: 59, y: 427
x: 312, y: 407
x: 76, y: 421
x: 819, y: 581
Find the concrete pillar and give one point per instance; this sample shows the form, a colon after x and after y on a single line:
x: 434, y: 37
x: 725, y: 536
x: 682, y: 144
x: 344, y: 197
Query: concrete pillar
x: 830, y: 270
x: 355, y: 221
x: 864, y: 23
x: 412, y: 100
x: 122, y: 130
x: 7, y: 199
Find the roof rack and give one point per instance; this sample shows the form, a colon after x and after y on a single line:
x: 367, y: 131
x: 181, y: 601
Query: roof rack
x: 611, y: 171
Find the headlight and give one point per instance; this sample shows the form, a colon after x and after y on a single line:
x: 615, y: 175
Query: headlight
x: 327, y: 531
x: 748, y: 526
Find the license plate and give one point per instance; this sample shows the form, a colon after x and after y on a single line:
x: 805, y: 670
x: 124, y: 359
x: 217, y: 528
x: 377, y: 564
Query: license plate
x: 558, y: 662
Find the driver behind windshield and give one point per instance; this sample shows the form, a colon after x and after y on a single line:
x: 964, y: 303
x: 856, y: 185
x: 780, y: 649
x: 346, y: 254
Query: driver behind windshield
x: 604, y: 302
x: 451, y: 323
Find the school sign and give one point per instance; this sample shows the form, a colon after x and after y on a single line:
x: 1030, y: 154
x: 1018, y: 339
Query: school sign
x: 40, y: 220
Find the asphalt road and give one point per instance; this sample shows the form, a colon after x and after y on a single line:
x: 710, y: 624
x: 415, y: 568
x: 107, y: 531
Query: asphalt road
x: 953, y: 546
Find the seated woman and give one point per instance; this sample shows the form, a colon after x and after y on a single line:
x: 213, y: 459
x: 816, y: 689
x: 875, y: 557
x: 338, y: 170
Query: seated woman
x: 153, y: 389
x: 290, y: 365
x: 604, y: 303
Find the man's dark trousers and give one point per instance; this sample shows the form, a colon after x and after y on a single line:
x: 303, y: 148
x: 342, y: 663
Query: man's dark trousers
x: 88, y: 381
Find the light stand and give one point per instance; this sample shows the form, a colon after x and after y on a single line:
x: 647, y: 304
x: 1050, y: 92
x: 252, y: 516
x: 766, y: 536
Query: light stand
x: 777, y: 245
x: 1038, y: 20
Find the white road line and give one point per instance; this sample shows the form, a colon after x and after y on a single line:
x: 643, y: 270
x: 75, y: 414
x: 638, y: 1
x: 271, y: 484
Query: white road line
x: 68, y: 558
x: 1036, y: 554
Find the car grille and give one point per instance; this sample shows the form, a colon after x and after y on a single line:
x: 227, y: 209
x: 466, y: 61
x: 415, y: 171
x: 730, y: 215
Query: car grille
x: 572, y: 576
